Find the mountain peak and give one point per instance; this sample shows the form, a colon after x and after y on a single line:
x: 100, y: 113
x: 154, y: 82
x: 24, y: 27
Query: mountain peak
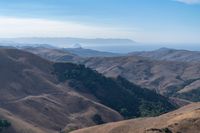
x: 77, y: 46
x: 164, y: 49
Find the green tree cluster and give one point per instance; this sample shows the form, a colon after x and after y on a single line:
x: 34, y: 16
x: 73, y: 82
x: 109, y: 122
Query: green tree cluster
x: 119, y: 94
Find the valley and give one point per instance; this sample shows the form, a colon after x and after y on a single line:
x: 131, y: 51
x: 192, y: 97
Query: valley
x: 176, y: 79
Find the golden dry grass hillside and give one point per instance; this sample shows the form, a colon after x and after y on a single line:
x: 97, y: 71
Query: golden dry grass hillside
x: 183, y: 120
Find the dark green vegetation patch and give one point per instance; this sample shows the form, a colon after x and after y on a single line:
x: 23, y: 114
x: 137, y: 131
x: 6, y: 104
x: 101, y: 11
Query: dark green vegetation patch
x: 119, y: 94
x: 4, y: 124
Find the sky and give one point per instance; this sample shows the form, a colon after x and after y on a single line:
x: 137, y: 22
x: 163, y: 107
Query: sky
x: 147, y: 21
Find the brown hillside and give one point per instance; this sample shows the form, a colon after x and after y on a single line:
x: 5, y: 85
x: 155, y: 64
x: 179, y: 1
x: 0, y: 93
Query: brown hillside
x: 184, y: 120
x: 35, y: 102
x: 169, y: 78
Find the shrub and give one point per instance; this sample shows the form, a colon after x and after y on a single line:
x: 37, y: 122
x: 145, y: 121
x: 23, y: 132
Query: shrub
x: 97, y: 119
x: 4, y: 124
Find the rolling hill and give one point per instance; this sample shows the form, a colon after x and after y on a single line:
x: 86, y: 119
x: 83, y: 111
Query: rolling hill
x: 167, y: 54
x: 184, y: 120
x: 38, y: 96
x: 53, y: 54
x: 169, y: 78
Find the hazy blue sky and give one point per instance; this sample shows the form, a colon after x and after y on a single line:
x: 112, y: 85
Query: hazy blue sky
x: 154, y: 21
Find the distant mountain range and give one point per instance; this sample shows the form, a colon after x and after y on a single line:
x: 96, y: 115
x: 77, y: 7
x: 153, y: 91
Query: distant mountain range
x: 163, y: 54
x: 67, y: 41
x: 82, y: 52
x: 167, y: 54
x: 66, y: 54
